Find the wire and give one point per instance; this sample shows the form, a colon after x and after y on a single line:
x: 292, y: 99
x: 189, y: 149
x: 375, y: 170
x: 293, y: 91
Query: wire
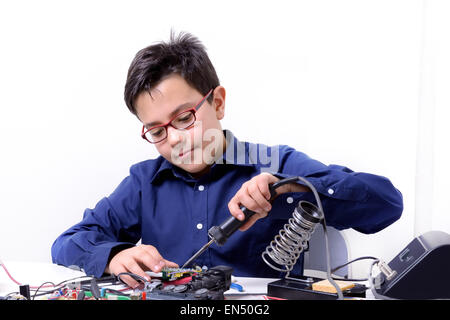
x: 37, y: 290
x: 329, y: 277
x: 352, y: 261
x: 133, y: 275
x: 42, y: 285
x: 327, y: 249
x: 349, y: 262
x: 72, y: 279
x: 118, y: 292
x: 55, y: 287
x: 9, y: 275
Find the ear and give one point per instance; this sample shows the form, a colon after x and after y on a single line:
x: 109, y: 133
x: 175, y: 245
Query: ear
x: 219, y: 101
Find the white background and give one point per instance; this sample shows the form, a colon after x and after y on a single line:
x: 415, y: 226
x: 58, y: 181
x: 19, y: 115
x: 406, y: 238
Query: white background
x: 342, y: 81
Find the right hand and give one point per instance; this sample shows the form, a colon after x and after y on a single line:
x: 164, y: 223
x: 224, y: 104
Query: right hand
x: 255, y: 195
x: 137, y: 260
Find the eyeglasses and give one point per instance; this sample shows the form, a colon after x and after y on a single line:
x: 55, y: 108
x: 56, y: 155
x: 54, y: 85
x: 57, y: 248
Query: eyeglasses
x: 182, y: 120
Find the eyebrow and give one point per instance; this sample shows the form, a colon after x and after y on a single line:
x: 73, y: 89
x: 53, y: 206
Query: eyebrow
x: 172, y: 114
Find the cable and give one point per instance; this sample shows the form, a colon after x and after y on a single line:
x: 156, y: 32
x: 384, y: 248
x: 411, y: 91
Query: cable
x: 327, y: 249
x: 41, y: 286
x: 118, y: 292
x: 55, y: 287
x: 352, y: 261
x: 329, y: 277
x: 133, y: 275
x: 349, y: 262
x: 37, y: 290
x: 9, y: 275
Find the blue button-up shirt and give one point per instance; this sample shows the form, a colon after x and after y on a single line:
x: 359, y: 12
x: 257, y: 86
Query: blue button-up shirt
x: 162, y: 205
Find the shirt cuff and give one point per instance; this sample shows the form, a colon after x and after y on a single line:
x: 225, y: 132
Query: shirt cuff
x: 101, y: 255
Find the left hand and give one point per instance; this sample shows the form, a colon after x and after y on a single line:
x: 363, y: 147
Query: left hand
x: 255, y: 195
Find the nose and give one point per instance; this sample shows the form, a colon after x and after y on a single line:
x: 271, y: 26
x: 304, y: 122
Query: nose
x: 174, y: 136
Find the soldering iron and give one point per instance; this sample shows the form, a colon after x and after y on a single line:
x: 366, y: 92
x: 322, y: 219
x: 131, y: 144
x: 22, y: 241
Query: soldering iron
x: 220, y: 234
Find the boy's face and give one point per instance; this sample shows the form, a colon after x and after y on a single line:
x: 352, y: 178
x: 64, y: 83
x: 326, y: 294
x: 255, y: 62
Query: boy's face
x: 193, y: 149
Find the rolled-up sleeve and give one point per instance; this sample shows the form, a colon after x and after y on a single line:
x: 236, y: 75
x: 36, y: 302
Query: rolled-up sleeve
x: 365, y: 202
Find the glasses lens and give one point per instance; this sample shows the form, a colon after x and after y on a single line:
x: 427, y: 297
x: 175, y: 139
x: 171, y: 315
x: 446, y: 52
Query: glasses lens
x: 184, y: 120
x: 156, y: 134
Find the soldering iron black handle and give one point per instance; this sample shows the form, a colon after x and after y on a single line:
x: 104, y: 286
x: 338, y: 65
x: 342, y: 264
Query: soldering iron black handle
x: 221, y: 233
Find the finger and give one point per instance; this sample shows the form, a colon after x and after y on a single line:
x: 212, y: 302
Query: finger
x: 247, y: 201
x: 157, y: 260
x: 235, y: 210
x: 265, y: 182
x: 256, y: 194
x: 263, y: 186
x: 135, y: 268
x: 153, y: 259
x: 171, y: 264
x: 119, y: 269
x: 129, y: 281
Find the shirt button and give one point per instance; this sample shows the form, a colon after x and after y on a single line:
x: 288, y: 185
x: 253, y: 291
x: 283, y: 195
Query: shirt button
x: 330, y: 191
x: 289, y: 199
x: 201, y: 188
x: 199, y: 226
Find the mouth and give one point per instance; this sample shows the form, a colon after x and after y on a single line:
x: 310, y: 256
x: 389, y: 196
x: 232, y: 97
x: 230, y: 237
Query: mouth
x: 183, y: 154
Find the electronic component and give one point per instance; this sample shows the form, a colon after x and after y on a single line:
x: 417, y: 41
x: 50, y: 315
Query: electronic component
x: 207, y: 285
x: 170, y: 274
x: 25, y: 291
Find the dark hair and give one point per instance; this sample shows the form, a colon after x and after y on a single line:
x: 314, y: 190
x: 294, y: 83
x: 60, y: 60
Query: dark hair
x: 183, y: 54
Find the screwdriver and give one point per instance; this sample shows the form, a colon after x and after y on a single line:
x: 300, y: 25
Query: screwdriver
x: 220, y: 234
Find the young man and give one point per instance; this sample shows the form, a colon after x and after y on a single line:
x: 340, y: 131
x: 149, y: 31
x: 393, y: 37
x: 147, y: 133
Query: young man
x: 203, y: 175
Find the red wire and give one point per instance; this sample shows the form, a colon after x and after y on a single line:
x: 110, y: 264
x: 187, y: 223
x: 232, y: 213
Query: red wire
x: 6, y: 270
x: 18, y: 283
x: 272, y: 298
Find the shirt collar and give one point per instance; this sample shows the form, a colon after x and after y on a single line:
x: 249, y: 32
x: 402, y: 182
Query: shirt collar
x: 236, y: 154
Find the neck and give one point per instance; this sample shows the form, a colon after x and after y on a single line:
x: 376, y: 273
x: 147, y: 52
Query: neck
x: 217, y: 155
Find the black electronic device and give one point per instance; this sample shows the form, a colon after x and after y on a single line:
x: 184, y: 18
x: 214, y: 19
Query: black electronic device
x: 421, y: 269
x: 25, y: 291
x: 300, y: 288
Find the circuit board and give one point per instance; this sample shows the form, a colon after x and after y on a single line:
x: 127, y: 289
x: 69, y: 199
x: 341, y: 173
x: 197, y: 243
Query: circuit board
x: 171, y: 274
